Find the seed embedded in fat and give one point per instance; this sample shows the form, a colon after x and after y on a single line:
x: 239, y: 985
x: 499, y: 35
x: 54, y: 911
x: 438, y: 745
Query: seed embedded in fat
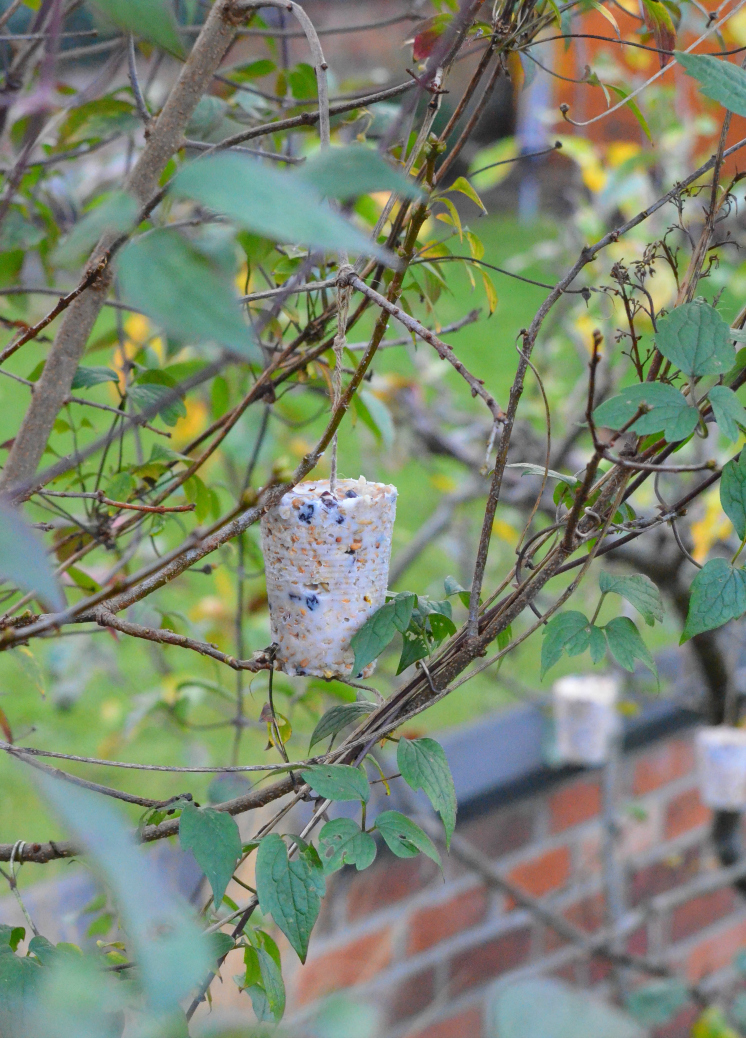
x: 347, y: 584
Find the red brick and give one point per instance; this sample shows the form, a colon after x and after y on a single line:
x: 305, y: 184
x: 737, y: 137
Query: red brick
x: 350, y: 964
x: 574, y: 804
x: 588, y: 914
x: 388, y: 881
x: 599, y: 970
x: 411, y: 996
x: 665, y: 763
x: 547, y: 872
x: 566, y: 973
x: 663, y: 875
x: 464, y: 1025
x: 637, y: 942
x: 715, y: 952
x: 685, y: 812
x: 488, y: 960
x: 436, y: 923
x: 700, y: 912
x: 500, y: 832
x: 681, y: 1025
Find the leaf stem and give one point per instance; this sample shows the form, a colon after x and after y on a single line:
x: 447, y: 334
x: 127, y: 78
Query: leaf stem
x: 598, y: 607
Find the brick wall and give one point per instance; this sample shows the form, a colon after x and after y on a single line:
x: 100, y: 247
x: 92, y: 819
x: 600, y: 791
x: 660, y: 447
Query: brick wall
x: 425, y: 951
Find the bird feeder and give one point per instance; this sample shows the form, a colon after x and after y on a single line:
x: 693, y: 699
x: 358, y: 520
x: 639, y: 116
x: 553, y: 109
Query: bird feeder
x: 585, y: 718
x: 721, y: 763
x: 326, y: 555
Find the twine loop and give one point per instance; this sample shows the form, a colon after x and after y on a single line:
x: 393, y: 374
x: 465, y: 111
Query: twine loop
x: 344, y: 290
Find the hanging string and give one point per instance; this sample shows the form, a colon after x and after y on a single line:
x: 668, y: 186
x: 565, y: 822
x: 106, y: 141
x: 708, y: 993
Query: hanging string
x: 344, y: 291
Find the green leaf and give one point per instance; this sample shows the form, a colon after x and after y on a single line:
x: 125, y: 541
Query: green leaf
x: 198, y: 494
x: 637, y: 589
x: 214, y: 840
x: 163, y: 275
x: 116, y: 215
x: 597, y: 644
x: 290, y: 891
x: 538, y: 470
x: 569, y: 627
x: 738, y: 1010
x: 337, y: 781
x: 84, y: 377
x: 163, y: 937
x: 667, y: 410
x: 721, y: 80
x: 733, y: 493
x: 548, y: 1008
x: 696, y: 339
x: 452, y: 587
x: 337, y: 718
x: 623, y: 95
x: 441, y: 626
x: 220, y: 944
x: 272, y: 202
x: 23, y: 559
x: 718, y: 594
x: 19, y: 978
x: 263, y: 978
x: 18, y: 232
x: 154, y: 385
x: 43, y: 949
x: 376, y: 416
x: 423, y: 765
x: 626, y: 644
x: 730, y: 414
x: 354, y: 170
x: 11, y: 935
x: 404, y: 837
x: 151, y: 20
x: 272, y: 982
x: 379, y: 629
x: 95, y: 120
x: 414, y: 647
x: 343, y: 842
x: 657, y: 1002
x: 254, y: 70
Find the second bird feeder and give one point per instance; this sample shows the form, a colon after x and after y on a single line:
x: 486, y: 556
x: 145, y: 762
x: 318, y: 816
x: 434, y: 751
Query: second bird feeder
x: 327, y: 556
x: 721, y: 763
x: 585, y: 717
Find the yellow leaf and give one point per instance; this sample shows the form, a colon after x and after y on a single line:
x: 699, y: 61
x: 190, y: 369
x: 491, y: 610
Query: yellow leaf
x: 621, y: 151
x: 490, y: 290
x: 504, y: 531
x: 712, y: 1024
x: 476, y: 248
x: 608, y: 16
x: 191, y: 425
x: 714, y: 526
x: 445, y: 484
x: 31, y: 668
x: 491, y: 165
x: 462, y: 185
x: 455, y: 219
x: 587, y: 157
x: 515, y: 71
x: 137, y: 328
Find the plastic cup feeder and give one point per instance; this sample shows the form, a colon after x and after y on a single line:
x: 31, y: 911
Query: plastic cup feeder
x: 326, y: 557
x: 585, y: 717
x: 721, y: 763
